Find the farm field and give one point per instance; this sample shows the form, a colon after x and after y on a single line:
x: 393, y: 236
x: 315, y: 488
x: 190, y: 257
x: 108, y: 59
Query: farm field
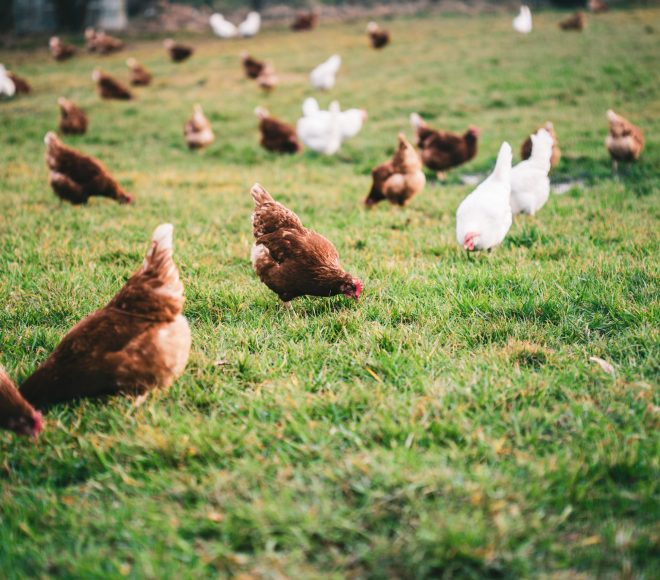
x: 450, y: 423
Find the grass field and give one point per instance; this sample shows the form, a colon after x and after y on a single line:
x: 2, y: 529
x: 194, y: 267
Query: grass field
x: 450, y: 423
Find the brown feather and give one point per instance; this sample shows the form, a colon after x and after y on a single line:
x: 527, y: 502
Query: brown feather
x: 576, y: 22
x: 110, y: 88
x: 443, y: 150
x: 276, y: 135
x: 16, y: 414
x: 178, y: 52
x: 304, y: 21
x: 22, y: 86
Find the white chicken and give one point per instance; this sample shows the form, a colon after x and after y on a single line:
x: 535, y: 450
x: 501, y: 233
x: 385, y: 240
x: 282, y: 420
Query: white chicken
x: 350, y: 120
x: 250, y: 26
x: 7, y: 86
x: 321, y: 131
x: 523, y: 22
x: 324, y: 75
x: 530, y: 184
x: 221, y: 27
x: 484, y: 217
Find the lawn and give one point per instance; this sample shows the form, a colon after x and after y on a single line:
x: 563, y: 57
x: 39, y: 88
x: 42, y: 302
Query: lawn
x: 448, y: 424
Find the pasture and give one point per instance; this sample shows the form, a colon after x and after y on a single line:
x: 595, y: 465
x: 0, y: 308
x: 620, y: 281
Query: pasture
x: 448, y: 424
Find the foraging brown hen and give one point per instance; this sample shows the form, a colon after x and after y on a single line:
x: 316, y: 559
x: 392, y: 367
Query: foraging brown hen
x: 102, y: 43
x: 625, y: 141
x: 16, y: 414
x: 291, y: 259
x: 197, y: 130
x: 526, y: 147
x: 178, y: 52
x: 76, y: 177
x: 109, y: 87
x: 22, y: 86
x: 138, y: 342
x: 60, y: 51
x: 399, y: 179
x: 576, y: 22
x: 276, y: 135
x: 251, y: 66
x: 138, y: 75
x: 377, y: 36
x: 73, y: 120
x: 443, y: 150
x: 304, y: 21
x: 598, y: 6
x: 268, y: 79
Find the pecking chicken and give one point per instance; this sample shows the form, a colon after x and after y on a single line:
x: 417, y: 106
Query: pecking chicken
x: 73, y: 120
x: 76, y: 177
x: 221, y: 27
x: 109, y: 87
x: 625, y: 141
x: 60, y: 51
x: 530, y: 184
x: 178, y: 52
x: 16, y: 414
x: 305, y: 21
x: 291, y: 259
x: 138, y: 342
x: 484, y: 217
x: 576, y: 22
x: 251, y: 66
x: 197, y: 130
x: 399, y: 179
x: 276, y: 135
x: 324, y: 76
x: 523, y: 22
x: 526, y: 147
x: 138, y: 75
x: 443, y: 150
x: 378, y: 37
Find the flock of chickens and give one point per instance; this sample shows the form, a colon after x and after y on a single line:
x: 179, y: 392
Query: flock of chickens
x: 140, y: 340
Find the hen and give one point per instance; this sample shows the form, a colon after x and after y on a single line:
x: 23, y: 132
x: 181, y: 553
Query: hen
x: 102, y: 43
x: 138, y: 342
x: 377, y: 36
x: 250, y: 26
x: 598, y: 6
x: 443, y: 150
x: 526, y: 147
x: 484, y: 217
x: 16, y: 414
x: 530, y: 184
x: 221, y: 27
x: 523, y: 22
x: 178, y: 52
x: 319, y: 133
x: 268, y: 78
x: 575, y: 22
x: 276, y: 135
x: 399, y: 179
x: 315, y: 128
x: 251, y: 66
x: 304, y: 21
x: 7, y: 86
x: 60, y: 51
x: 73, y: 120
x: 625, y: 141
x: 20, y: 84
x: 292, y: 260
x: 109, y: 87
x: 76, y: 177
x: 323, y: 77
x: 197, y: 130
x: 138, y: 75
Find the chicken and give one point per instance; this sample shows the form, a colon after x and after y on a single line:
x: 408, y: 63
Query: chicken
x: 60, y: 51
x: 526, y: 147
x: 484, y: 217
x: 178, y: 52
x: 324, y: 75
x: 399, y: 179
x: 138, y: 75
x: 305, y: 21
x: 276, y: 136
x: 73, y: 120
x: 377, y: 36
x: 530, y: 184
x: 16, y: 414
x: 625, y: 141
x: 443, y: 150
x: 76, y: 177
x: 350, y: 120
x: 251, y: 66
x: 598, y: 6
x: 109, y: 87
x: 102, y: 43
x: 221, y: 27
x: 250, y: 26
x: 138, y: 342
x: 21, y: 85
x: 198, y: 130
x: 575, y: 22
x: 268, y: 78
x: 523, y: 22
x: 7, y: 86
x: 292, y: 260
x: 316, y: 128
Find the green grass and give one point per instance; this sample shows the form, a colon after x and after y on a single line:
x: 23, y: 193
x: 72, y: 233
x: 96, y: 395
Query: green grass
x: 450, y: 423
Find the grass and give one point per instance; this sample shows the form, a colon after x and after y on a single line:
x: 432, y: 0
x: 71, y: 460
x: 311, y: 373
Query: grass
x: 448, y: 424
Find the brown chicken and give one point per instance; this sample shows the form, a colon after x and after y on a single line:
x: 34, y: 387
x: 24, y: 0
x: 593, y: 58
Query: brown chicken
x: 109, y: 87
x: 102, y: 43
x: 276, y: 135
x: 16, y: 414
x: 443, y: 150
x: 526, y: 147
x: 576, y: 22
x: 251, y: 66
x: 178, y: 52
x: 625, y: 141
x: 138, y: 342
x: 197, y: 130
x: 598, y: 6
x: 138, y: 75
x: 60, y: 51
x: 399, y: 179
x: 377, y: 36
x: 73, y: 120
x: 76, y: 177
x: 305, y: 21
x: 268, y: 79
x: 292, y: 260
x: 22, y: 86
